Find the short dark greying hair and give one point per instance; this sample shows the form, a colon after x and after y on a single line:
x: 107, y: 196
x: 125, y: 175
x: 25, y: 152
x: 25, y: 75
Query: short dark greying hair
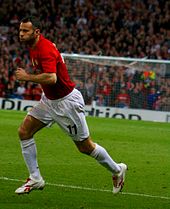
x: 34, y: 20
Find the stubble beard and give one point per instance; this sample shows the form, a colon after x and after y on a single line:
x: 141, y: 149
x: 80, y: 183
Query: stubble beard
x: 29, y: 42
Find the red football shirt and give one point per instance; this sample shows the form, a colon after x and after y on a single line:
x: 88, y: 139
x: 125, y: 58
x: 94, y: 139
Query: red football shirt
x: 46, y: 58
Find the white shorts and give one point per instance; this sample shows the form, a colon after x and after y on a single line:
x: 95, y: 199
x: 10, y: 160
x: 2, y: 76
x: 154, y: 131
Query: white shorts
x: 68, y: 112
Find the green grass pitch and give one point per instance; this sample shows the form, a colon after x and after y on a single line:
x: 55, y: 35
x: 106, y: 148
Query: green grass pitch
x: 76, y: 181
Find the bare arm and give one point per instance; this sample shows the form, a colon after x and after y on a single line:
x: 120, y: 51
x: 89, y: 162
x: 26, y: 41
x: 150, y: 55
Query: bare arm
x: 43, y: 78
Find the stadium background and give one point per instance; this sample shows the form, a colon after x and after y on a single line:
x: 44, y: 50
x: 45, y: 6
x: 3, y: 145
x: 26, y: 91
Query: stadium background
x: 136, y: 29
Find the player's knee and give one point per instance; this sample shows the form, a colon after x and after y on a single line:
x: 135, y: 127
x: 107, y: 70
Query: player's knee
x: 86, y: 146
x: 24, y: 133
x: 84, y: 150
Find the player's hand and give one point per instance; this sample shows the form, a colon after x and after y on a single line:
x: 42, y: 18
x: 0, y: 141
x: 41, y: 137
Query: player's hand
x: 21, y: 74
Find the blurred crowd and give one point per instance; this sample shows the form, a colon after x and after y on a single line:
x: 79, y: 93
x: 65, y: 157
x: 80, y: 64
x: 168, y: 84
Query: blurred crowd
x: 127, y: 28
x: 109, y: 84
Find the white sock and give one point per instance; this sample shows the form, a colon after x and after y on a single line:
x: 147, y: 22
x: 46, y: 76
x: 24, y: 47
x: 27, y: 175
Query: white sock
x: 29, y: 152
x: 101, y: 155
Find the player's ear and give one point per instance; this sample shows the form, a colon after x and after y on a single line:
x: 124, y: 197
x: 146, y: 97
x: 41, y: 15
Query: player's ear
x: 37, y: 31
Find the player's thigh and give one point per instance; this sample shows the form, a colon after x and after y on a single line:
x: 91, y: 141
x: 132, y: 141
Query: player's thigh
x: 29, y: 127
x: 72, y: 118
x: 41, y: 112
x: 75, y: 126
x: 37, y: 118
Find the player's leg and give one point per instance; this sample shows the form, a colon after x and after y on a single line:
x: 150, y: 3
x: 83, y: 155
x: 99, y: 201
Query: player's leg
x: 35, y: 120
x: 87, y: 146
x: 26, y: 132
x: 72, y: 119
x: 98, y: 152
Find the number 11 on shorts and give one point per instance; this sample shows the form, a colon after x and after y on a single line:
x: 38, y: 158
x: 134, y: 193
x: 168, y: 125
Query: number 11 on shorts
x: 72, y: 129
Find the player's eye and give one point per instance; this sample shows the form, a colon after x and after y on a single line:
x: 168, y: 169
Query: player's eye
x: 23, y: 30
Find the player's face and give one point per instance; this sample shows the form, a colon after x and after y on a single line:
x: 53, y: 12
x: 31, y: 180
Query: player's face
x: 27, y: 34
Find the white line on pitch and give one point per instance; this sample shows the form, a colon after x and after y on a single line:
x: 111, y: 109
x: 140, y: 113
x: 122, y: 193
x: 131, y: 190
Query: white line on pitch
x: 91, y: 189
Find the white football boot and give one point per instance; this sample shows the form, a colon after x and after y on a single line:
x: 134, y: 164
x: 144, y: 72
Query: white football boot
x: 118, y: 179
x: 30, y: 185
